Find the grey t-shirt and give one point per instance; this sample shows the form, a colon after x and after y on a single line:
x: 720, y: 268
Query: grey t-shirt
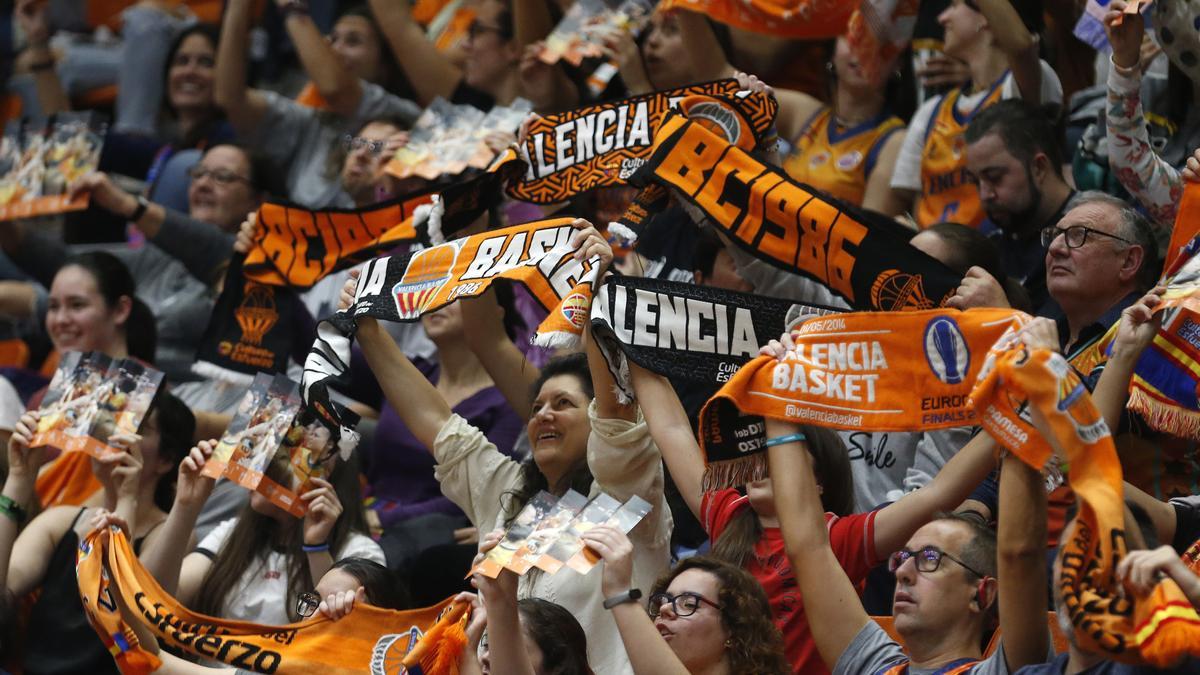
x: 872, y: 652
x: 298, y: 140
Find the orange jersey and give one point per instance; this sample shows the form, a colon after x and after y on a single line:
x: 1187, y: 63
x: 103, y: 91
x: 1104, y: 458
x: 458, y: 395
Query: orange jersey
x: 947, y: 193
x: 838, y: 160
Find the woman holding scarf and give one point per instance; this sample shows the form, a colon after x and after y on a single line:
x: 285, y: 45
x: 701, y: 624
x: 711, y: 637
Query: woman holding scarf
x: 590, y: 445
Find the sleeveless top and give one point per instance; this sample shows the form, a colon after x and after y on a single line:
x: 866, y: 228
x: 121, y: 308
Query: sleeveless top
x: 946, y: 192
x: 59, y: 638
x: 837, y: 160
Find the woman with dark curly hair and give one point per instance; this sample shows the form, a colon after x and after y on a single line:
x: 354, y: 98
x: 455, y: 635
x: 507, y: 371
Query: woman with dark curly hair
x: 711, y: 617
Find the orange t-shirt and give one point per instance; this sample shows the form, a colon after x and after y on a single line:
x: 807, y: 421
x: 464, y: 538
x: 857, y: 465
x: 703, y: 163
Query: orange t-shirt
x: 839, y: 160
x: 947, y: 194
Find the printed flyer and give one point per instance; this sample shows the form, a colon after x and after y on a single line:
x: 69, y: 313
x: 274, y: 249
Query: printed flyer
x: 40, y: 160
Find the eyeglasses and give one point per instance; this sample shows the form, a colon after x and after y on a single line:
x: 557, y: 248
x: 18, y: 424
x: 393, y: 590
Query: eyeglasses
x: 475, y: 29
x: 219, y: 175
x: 927, y: 559
x: 1076, y: 235
x: 684, y: 604
x: 352, y: 143
x: 307, y: 603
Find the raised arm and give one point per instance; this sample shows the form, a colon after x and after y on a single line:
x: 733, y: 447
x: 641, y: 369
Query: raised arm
x: 430, y: 72
x: 1018, y: 44
x: 505, y: 364
x: 826, y: 590
x: 506, y: 642
x: 336, y: 84
x: 897, y: 521
x: 419, y: 404
x: 1021, y: 561
x: 704, y: 52
x: 23, y: 465
x: 672, y: 433
x: 649, y: 653
x: 243, y: 105
x: 31, y: 17
x: 164, y: 550
x: 532, y: 21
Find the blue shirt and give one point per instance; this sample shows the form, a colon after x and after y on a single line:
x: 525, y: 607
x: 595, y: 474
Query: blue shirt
x: 1059, y: 666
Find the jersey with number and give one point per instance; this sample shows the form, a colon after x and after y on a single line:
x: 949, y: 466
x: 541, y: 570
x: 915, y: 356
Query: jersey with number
x: 838, y: 159
x: 947, y: 194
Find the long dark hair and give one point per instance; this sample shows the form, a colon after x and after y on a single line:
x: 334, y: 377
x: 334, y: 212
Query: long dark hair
x: 176, y: 426
x: 558, y: 634
x: 831, y: 464
x: 256, y: 534
x: 391, y: 75
x: 195, y: 136
x: 532, y: 478
x: 756, y: 647
x: 381, y: 585
x: 113, y: 281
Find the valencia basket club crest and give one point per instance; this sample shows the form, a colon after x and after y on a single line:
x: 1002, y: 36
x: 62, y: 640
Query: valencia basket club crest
x: 388, y: 656
x: 946, y: 350
x: 257, y: 314
x: 575, y: 309
x: 427, y: 273
x: 894, y: 290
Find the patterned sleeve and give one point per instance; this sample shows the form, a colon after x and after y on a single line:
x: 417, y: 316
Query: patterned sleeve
x: 1154, y: 183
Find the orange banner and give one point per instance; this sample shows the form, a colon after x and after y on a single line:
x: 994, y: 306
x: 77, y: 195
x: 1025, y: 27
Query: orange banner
x: 802, y: 19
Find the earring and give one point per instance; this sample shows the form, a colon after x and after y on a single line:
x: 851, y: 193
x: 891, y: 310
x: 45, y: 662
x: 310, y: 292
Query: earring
x: 728, y: 643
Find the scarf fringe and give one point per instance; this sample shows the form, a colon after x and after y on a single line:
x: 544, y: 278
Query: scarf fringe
x: 447, y: 642
x: 212, y: 371
x: 137, y: 662
x: 623, y: 232
x: 1163, y: 417
x: 1174, y: 637
x: 734, y: 472
x: 559, y: 339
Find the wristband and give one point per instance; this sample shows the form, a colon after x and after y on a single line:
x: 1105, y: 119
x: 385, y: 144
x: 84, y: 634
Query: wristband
x: 142, y: 205
x: 780, y: 440
x: 315, y: 548
x: 631, y: 595
x: 12, y: 509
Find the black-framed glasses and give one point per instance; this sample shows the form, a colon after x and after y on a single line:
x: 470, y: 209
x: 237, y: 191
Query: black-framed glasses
x: 684, y: 604
x: 219, y: 175
x: 307, y: 603
x: 475, y: 29
x: 1076, y: 235
x: 373, y: 146
x: 927, y: 559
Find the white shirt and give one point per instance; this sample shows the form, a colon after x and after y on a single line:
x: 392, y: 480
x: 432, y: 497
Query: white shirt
x: 261, y: 595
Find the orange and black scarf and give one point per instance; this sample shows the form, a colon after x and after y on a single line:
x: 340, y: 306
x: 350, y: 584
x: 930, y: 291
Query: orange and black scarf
x: 1159, y: 629
x: 369, y: 640
x: 863, y: 257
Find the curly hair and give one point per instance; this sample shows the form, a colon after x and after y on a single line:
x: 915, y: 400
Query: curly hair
x: 756, y: 645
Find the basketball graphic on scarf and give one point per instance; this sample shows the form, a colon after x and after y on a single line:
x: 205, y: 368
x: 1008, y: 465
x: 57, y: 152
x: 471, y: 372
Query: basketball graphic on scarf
x: 894, y: 290
x: 720, y: 119
x: 427, y: 272
x: 256, y: 315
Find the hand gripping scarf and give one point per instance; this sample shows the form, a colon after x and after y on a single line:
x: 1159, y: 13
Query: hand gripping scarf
x: 699, y: 333
x: 369, y: 640
x: 865, y: 258
x: 1159, y: 629
x: 603, y: 144
x: 297, y: 247
x: 402, y: 288
x: 800, y: 19
x: 903, y: 371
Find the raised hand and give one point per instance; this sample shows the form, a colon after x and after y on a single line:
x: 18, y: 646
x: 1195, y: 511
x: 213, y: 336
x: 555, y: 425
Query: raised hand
x: 324, y: 509
x: 1125, y: 33
x: 978, y: 289
x: 192, y: 488
x: 616, y: 550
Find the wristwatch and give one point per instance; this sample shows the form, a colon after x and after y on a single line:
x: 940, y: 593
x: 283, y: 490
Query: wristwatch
x: 631, y: 595
x: 142, y: 205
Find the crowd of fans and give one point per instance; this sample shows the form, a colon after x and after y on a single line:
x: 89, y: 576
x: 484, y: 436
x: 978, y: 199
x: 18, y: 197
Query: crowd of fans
x: 1045, y: 172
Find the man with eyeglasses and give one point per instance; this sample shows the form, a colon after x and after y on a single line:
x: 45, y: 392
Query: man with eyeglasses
x: 951, y: 576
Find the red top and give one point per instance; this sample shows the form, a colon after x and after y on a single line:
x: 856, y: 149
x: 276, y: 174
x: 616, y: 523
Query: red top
x: 852, y: 539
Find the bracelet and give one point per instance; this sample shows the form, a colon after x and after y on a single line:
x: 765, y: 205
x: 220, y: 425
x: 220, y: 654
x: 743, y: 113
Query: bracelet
x: 42, y: 66
x: 315, y: 548
x: 780, y: 440
x: 12, y: 509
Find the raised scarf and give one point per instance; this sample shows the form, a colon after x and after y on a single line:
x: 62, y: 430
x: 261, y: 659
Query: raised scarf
x: 369, y: 640
x: 402, y: 288
x: 879, y: 30
x: 1158, y: 629
x: 863, y: 257
x: 867, y: 371
x: 799, y: 19
x: 297, y: 247
x: 684, y: 331
x: 600, y: 145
